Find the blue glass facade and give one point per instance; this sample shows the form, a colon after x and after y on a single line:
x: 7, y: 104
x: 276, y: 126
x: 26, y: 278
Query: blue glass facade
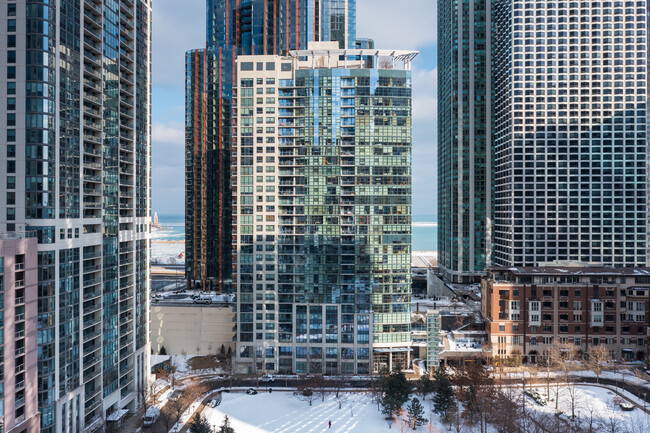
x: 465, y: 168
x: 238, y: 28
x: 322, y: 215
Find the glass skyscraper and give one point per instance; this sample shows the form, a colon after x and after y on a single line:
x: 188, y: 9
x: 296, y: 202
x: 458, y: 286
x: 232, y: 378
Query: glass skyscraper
x: 465, y: 170
x: 237, y: 28
x: 570, y: 132
x: 75, y: 125
x: 322, y: 210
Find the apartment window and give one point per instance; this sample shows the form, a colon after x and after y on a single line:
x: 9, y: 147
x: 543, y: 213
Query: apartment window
x: 11, y: 25
x: 11, y: 103
x: 11, y: 56
x: 502, y: 328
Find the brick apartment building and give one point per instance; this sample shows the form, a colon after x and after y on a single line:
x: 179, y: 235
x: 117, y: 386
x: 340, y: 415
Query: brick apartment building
x: 527, y: 309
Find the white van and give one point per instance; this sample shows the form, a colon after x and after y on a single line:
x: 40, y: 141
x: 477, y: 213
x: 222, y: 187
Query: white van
x: 203, y: 300
x: 150, y: 416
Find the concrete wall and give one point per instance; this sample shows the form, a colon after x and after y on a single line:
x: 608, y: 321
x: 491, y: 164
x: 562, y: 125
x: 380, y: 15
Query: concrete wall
x: 191, y: 330
x: 436, y: 287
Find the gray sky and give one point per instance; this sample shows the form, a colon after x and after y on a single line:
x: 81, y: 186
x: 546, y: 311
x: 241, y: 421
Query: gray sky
x: 180, y: 25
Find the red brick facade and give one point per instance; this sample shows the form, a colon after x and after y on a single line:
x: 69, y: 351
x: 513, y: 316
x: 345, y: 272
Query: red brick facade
x: 528, y: 309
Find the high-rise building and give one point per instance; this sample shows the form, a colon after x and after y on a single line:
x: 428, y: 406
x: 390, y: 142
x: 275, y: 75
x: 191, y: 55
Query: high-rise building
x: 18, y: 333
x: 570, y: 132
x: 75, y: 127
x: 465, y: 183
x: 265, y: 27
x: 322, y: 210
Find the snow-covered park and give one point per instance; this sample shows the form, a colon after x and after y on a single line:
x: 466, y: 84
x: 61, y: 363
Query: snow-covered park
x: 283, y: 412
x: 592, y: 405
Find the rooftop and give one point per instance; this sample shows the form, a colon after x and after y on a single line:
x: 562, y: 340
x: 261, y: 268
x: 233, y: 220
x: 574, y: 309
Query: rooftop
x: 318, y: 52
x: 572, y: 271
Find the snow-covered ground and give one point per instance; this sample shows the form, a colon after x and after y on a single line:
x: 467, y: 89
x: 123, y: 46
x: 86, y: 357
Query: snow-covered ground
x: 167, y: 253
x: 283, y: 412
x: 593, y: 402
x: 622, y: 375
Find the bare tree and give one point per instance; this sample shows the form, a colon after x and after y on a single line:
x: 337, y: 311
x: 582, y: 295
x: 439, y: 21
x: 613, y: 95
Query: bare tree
x: 638, y: 423
x: 321, y: 386
x: 402, y: 423
x: 597, y: 359
x: 610, y: 422
x: 477, y: 393
x: 589, y: 424
x: 575, y: 397
x: 196, y: 391
x: 430, y: 427
x: 506, y: 404
x: 339, y: 385
x: 175, y: 409
x: 562, y: 355
x: 147, y: 394
x: 305, y: 391
x: 548, y: 362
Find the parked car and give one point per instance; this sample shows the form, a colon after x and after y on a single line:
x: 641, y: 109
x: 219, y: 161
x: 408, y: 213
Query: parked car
x: 150, y: 416
x: 267, y: 378
x: 175, y: 395
x: 251, y: 391
x: 203, y: 300
x: 216, y: 401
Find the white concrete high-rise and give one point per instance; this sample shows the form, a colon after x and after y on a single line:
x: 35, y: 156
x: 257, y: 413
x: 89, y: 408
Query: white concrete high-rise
x: 75, y: 134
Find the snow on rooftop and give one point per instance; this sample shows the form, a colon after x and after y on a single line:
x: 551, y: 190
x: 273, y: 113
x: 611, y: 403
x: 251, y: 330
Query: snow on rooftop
x: 117, y: 415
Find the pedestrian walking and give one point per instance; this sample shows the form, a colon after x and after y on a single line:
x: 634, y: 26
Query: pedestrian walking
x: 330, y: 424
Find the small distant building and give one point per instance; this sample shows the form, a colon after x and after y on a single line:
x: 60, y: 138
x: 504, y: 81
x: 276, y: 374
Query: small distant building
x: 528, y: 309
x: 462, y: 345
x: 191, y: 330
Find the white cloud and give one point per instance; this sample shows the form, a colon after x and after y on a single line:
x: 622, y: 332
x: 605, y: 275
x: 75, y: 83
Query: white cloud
x: 425, y: 101
x: 404, y: 24
x: 170, y: 133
